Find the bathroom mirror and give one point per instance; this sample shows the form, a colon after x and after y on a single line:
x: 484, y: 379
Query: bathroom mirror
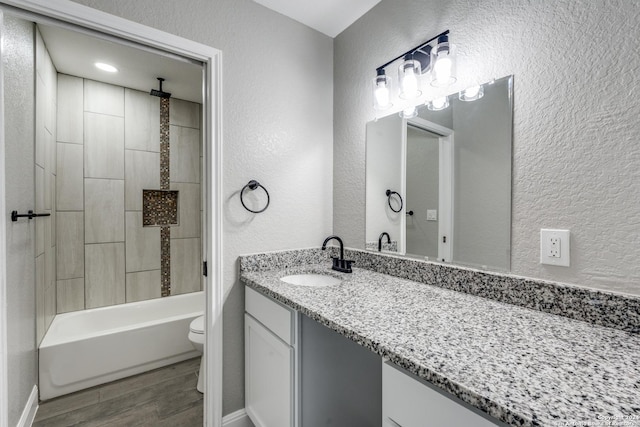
x: 440, y: 183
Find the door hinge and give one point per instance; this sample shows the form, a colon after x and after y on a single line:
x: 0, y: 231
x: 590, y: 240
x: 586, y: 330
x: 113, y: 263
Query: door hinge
x: 204, y: 268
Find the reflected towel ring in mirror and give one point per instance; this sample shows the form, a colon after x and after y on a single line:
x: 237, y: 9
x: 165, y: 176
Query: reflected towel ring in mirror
x: 252, y: 185
x: 391, y: 193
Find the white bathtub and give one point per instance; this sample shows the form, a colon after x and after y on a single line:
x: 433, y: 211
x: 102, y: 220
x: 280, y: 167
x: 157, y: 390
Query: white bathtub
x: 90, y: 347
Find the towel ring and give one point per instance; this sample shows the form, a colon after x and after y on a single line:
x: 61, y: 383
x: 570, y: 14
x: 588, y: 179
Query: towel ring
x: 252, y: 185
x: 391, y: 193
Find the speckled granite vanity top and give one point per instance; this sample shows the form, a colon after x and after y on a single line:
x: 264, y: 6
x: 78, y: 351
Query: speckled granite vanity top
x: 522, y: 366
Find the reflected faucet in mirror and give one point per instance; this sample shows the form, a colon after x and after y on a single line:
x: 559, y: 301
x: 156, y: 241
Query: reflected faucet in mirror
x: 339, y: 263
x: 384, y: 233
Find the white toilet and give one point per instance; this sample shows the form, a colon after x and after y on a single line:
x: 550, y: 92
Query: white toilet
x: 196, y: 336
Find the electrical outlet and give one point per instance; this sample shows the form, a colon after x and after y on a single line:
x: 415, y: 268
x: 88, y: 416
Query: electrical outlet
x: 554, y: 247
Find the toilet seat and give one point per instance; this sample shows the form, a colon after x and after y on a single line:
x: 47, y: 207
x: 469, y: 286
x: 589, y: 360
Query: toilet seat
x: 197, y: 325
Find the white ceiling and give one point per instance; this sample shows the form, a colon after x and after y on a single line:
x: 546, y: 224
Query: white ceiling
x: 75, y: 54
x: 330, y: 17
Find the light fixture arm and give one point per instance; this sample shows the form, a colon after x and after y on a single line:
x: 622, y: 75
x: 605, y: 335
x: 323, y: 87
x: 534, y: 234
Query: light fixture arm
x: 380, y: 69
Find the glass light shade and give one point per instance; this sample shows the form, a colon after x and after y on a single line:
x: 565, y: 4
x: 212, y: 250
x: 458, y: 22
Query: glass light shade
x: 471, y: 93
x: 443, y: 58
x: 408, y: 75
x: 409, y: 112
x: 381, y: 95
x: 438, y: 104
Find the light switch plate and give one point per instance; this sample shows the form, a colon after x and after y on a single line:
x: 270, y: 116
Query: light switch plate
x: 555, y: 247
x: 432, y: 214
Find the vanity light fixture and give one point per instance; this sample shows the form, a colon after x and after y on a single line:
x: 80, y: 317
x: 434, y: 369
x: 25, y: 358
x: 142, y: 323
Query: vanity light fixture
x: 106, y: 67
x: 472, y: 93
x: 408, y: 74
x: 381, y: 96
x: 430, y: 62
x: 438, y: 104
x: 443, y: 58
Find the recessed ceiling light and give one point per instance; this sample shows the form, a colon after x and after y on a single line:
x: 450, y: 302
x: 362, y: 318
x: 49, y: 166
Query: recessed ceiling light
x: 106, y: 67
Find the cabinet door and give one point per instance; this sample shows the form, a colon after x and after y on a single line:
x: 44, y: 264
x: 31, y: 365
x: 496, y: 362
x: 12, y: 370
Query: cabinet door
x: 268, y: 376
x: 407, y: 402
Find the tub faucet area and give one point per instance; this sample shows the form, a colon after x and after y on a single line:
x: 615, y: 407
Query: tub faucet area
x: 339, y: 263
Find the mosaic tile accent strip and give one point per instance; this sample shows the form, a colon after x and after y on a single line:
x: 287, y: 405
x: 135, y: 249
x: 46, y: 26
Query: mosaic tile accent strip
x: 165, y: 232
x: 164, y: 144
x: 165, y: 261
x: 159, y: 208
x: 521, y: 366
x: 609, y: 309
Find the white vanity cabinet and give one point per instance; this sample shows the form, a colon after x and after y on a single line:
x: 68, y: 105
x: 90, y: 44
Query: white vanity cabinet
x: 409, y: 402
x: 287, y: 355
x: 270, y: 335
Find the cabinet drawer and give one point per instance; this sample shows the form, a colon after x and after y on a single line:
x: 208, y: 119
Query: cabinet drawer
x: 277, y: 318
x: 408, y: 402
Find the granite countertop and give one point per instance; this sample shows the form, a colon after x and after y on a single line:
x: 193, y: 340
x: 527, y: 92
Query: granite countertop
x: 524, y: 367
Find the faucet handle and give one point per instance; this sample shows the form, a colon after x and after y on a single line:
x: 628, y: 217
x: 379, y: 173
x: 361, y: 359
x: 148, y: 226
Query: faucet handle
x: 342, y: 265
x: 347, y: 265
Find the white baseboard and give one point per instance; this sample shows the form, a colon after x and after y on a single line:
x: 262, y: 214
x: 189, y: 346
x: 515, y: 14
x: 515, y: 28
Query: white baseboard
x: 237, y: 419
x: 29, y: 412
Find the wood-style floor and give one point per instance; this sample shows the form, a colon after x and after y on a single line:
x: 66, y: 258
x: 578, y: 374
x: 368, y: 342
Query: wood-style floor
x: 165, y: 397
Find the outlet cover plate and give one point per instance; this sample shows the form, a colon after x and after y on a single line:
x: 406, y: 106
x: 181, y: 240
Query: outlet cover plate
x: 548, y: 255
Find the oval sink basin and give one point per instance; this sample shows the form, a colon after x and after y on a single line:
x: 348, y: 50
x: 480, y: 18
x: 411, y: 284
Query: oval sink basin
x: 311, y: 279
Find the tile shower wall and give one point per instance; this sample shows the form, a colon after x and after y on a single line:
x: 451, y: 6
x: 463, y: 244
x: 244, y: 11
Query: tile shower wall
x: 45, y: 175
x: 185, y: 160
x: 108, y: 151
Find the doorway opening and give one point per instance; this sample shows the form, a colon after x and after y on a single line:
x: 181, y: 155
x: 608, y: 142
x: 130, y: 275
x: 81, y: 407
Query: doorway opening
x: 429, y: 190
x: 62, y: 156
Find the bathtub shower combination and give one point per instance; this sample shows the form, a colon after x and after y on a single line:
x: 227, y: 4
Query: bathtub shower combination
x: 122, y: 275
x: 90, y: 347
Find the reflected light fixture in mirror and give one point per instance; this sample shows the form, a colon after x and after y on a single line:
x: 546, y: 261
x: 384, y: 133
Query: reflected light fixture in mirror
x: 438, y: 104
x: 409, y: 112
x: 472, y: 93
x: 432, y: 61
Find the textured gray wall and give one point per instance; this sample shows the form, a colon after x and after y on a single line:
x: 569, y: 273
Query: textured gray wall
x: 19, y: 61
x: 576, y: 131
x: 277, y: 124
